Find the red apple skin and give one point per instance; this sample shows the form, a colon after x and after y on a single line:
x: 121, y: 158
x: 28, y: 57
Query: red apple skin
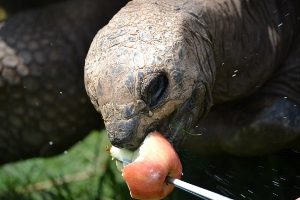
x: 146, y: 176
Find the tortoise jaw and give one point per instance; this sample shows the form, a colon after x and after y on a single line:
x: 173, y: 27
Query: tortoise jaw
x: 176, y: 126
x: 121, y: 133
x: 180, y: 123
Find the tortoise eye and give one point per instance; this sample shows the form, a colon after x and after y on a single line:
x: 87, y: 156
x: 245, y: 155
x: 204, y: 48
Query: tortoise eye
x: 153, y: 93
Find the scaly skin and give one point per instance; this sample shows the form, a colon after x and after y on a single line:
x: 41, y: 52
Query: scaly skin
x: 162, y: 65
x: 43, y: 105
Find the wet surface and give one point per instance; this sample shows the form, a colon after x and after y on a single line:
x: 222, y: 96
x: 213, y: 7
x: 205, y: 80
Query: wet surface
x: 267, y: 177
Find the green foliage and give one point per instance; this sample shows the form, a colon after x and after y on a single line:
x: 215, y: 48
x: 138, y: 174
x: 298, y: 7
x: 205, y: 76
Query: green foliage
x: 83, y: 172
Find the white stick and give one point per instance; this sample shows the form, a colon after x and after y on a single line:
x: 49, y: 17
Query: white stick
x: 195, y: 190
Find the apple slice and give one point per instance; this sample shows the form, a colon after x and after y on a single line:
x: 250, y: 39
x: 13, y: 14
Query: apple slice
x: 145, y: 170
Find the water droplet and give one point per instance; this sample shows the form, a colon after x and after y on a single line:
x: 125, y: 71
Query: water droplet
x: 282, y: 178
x: 296, y: 187
x: 296, y: 151
x: 284, y: 117
x: 250, y: 191
x: 243, y: 196
x: 233, y: 75
x: 275, y: 194
x: 60, y: 92
x: 50, y: 143
x: 275, y: 183
x: 279, y: 25
x: 285, y: 97
x: 235, y: 71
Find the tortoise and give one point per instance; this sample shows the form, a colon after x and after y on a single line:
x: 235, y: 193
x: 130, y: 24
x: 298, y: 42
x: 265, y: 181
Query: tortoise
x: 44, y: 108
x: 214, y: 76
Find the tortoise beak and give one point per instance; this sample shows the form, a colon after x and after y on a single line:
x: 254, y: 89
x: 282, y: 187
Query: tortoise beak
x: 121, y: 133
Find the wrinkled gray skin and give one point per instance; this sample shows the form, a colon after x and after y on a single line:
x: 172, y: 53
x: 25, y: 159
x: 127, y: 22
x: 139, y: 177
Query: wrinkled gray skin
x: 211, y: 75
x: 44, y: 108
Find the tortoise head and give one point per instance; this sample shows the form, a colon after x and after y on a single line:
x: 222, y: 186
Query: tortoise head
x: 146, y: 70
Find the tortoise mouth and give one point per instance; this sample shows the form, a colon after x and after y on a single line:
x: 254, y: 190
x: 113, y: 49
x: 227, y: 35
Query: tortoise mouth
x: 182, y: 122
x: 176, y: 126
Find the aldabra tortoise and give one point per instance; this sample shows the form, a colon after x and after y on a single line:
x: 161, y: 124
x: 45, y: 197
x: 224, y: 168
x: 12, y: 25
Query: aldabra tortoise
x: 43, y: 105
x: 221, y: 75
x: 214, y: 76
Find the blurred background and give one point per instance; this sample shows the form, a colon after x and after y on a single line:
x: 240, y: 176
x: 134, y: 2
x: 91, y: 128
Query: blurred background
x: 86, y: 171
x: 83, y: 172
x: 9, y: 7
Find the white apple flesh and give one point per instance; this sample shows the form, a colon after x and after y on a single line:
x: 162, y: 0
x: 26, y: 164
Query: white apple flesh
x: 145, y: 170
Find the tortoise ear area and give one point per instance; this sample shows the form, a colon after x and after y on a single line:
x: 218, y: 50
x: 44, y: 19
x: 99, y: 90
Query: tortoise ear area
x: 154, y: 89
